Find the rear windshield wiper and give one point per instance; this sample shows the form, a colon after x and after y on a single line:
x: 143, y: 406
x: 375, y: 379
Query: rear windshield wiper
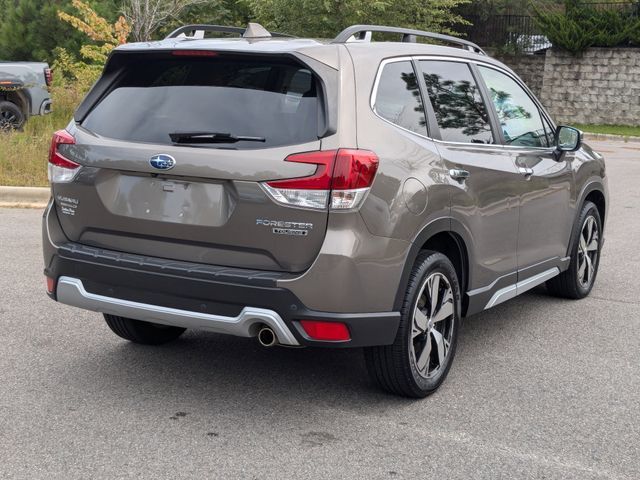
x: 211, y: 137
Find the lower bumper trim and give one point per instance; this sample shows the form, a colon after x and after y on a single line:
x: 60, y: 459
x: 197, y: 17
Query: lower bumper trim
x: 71, y: 291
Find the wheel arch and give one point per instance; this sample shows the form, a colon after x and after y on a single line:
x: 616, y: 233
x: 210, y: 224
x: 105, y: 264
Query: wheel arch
x: 593, y: 191
x: 597, y: 197
x: 19, y: 98
x: 441, y: 235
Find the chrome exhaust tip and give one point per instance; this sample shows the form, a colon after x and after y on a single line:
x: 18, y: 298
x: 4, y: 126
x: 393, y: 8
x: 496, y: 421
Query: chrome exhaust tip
x: 267, y: 337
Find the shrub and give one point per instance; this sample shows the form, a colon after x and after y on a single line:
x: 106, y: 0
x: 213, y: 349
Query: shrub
x: 581, y: 26
x: 105, y: 36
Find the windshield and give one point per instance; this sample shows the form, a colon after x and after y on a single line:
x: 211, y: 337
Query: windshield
x: 274, y: 100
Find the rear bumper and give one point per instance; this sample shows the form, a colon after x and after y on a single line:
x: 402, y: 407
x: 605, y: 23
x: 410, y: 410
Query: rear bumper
x: 231, y: 301
x: 71, y: 291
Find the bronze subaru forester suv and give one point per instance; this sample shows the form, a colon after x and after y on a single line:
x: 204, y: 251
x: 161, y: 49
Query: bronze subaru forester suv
x: 349, y: 193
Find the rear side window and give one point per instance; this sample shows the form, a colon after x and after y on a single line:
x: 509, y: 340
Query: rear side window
x: 275, y: 100
x: 457, y: 103
x: 398, y: 97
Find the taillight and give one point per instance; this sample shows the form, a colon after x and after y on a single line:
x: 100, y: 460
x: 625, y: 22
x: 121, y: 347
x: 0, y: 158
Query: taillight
x: 61, y: 169
x: 48, y: 76
x: 341, y: 181
x: 352, y: 178
x: 326, y: 331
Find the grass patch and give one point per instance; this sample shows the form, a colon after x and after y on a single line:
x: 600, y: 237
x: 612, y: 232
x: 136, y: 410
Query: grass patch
x: 23, y: 155
x: 623, y: 130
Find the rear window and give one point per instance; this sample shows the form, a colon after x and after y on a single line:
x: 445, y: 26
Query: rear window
x: 275, y: 100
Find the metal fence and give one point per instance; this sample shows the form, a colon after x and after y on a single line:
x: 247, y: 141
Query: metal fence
x: 516, y: 32
x: 520, y: 32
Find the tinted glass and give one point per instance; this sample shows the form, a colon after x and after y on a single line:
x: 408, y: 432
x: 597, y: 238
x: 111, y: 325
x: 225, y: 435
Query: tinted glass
x: 458, y: 106
x: 519, y: 117
x: 398, y: 97
x: 274, y: 100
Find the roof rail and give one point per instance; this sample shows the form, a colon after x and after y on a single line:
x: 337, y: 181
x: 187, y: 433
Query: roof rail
x: 253, y: 30
x: 363, y: 33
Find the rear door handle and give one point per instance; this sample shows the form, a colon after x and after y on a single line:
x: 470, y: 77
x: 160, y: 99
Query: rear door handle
x: 458, y: 174
x: 526, y: 171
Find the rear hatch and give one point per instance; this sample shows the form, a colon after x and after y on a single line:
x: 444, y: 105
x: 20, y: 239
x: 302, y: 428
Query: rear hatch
x: 149, y: 186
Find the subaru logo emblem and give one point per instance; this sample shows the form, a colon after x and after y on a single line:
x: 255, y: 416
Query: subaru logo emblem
x: 162, y: 161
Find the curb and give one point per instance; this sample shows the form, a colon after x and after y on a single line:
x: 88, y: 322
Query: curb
x: 607, y: 136
x: 24, y: 197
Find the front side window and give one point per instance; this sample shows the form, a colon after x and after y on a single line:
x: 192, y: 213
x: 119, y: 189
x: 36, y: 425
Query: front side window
x: 519, y: 117
x: 398, y: 97
x: 457, y: 103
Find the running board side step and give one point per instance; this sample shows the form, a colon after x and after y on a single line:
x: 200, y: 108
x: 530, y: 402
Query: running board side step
x: 71, y: 291
x: 516, y: 289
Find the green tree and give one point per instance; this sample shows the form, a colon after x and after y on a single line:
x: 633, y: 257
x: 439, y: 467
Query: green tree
x: 486, y: 8
x: 325, y: 18
x: 105, y: 37
x: 215, y: 12
x: 31, y: 29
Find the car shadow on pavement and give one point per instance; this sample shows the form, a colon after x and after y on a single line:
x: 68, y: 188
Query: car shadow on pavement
x: 206, y: 369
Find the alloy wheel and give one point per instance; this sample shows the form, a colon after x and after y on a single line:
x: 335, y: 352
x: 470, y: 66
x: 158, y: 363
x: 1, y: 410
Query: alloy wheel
x: 588, y: 249
x: 8, y: 120
x: 432, y: 326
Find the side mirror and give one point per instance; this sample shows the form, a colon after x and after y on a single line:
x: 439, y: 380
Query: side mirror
x: 568, y: 139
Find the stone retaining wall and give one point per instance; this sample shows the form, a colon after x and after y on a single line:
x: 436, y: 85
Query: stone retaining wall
x: 529, y: 67
x: 602, y: 86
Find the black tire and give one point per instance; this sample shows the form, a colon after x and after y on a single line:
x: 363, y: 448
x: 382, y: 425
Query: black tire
x: 395, y: 367
x: 568, y: 284
x: 11, y: 117
x: 138, y: 331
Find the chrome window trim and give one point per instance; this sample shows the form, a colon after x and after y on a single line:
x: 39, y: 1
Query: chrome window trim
x: 374, y: 94
x: 409, y: 58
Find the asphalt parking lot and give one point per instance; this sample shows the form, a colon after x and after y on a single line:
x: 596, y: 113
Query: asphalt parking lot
x: 540, y: 387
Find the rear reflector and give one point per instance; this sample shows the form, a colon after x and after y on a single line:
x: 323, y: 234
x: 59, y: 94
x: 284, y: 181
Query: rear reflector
x: 342, y: 176
x: 326, y: 331
x: 61, y: 169
x: 51, y: 284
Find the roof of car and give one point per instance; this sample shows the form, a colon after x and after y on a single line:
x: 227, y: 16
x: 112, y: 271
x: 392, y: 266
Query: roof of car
x: 266, y: 45
x: 256, y: 38
x: 288, y: 45
x: 354, y: 38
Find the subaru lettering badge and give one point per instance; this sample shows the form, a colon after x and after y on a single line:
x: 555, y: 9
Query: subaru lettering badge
x: 162, y: 161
